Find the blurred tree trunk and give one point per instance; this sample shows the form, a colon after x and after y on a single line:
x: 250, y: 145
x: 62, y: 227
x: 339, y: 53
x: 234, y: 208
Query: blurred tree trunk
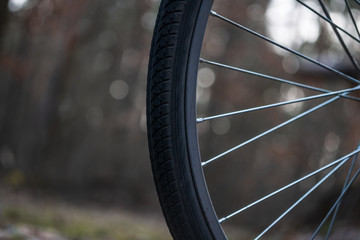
x: 34, y: 65
x: 3, y: 15
x: 53, y: 54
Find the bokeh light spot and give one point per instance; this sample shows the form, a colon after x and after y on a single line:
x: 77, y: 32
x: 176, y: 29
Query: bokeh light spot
x: 206, y: 77
x: 16, y: 5
x: 220, y: 126
x: 119, y: 89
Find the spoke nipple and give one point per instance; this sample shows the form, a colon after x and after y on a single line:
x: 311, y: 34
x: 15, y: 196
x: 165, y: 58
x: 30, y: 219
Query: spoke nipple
x: 213, y: 13
x: 201, y: 60
x: 199, y: 120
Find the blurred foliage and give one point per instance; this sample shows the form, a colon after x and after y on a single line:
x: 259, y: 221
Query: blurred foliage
x: 15, y: 179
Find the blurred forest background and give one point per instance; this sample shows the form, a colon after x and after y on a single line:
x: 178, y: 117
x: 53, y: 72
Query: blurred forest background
x: 73, y: 78
x: 72, y: 112
x: 72, y: 100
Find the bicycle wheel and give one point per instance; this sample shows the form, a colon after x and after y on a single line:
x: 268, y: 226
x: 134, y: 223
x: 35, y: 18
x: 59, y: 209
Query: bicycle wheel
x: 177, y: 114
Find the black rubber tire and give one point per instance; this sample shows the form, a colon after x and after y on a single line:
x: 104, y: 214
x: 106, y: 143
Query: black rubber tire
x: 171, y: 120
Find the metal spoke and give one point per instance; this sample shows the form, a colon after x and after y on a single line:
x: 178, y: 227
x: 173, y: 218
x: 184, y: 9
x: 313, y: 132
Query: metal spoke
x: 199, y: 120
x: 270, y: 77
x: 290, y: 185
x: 302, y: 198
x: 346, y: 49
x: 337, y: 164
x: 336, y: 203
x: 352, y: 17
x: 329, y: 21
x: 272, y: 129
x: 325, y: 93
x: 212, y: 13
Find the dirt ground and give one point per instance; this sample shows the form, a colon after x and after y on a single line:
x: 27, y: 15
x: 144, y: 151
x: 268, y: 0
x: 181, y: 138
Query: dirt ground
x: 28, y: 216
x: 25, y: 216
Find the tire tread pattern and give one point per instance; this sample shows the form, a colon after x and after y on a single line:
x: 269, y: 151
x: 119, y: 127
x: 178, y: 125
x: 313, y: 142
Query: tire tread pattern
x: 158, y: 118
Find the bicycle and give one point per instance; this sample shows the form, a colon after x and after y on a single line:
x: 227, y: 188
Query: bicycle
x: 177, y: 92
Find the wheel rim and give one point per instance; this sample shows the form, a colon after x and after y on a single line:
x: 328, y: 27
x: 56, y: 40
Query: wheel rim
x: 191, y: 125
x: 332, y: 97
